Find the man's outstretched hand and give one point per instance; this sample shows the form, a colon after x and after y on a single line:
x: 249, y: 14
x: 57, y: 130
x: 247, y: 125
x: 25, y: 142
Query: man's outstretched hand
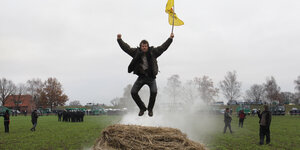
x: 119, y: 36
x: 172, y: 35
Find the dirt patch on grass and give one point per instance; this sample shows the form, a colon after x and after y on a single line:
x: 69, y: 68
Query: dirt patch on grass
x: 134, y: 137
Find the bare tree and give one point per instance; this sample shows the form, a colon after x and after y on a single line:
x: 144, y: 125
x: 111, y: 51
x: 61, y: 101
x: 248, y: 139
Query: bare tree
x: 189, y: 91
x: 272, y: 90
x: 17, y: 94
x: 230, y: 87
x: 126, y: 100
x: 256, y: 93
x: 7, y: 87
x: 115, y: 102
x: 127, y: 91
x: 173, y: 87
x: 206, y: 89
x: 297, y: 88
x: 288, y: 97
x: 297, y: 82
x: 75, y: 103
x: 34, y: 88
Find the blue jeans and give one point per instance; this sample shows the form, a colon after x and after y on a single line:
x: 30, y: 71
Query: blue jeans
x: 139, y: 83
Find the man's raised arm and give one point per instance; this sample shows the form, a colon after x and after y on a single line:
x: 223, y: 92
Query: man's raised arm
x: 160, y: 49
x: 124, y: 46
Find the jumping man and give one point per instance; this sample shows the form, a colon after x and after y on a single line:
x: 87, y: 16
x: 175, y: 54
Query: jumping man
x: 144, y: 65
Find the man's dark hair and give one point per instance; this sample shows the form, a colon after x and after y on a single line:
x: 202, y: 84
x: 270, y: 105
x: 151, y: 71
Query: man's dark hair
x: 144, y: 42
x: 227, y: 108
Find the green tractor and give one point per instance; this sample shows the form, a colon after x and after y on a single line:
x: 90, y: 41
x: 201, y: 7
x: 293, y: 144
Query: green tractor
x: 244, y: 107
x: 43, y: 111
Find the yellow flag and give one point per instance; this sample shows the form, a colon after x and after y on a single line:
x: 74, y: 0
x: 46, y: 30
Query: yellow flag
x: 169, y: 6
x: 169, y: 10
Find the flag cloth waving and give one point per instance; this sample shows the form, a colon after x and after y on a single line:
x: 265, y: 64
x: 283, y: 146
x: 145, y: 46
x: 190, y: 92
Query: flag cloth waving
x: 173, y: 19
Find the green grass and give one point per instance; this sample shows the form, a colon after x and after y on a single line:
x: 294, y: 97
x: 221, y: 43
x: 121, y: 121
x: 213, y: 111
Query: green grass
x: 53, y: 135
x: 285, y: 134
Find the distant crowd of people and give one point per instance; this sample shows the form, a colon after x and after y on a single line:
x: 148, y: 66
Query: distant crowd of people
x: 70, y: 116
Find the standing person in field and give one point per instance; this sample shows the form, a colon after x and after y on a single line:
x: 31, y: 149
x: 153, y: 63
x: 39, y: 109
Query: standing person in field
x: 59, y: 114
x: 264, y: 122
x: 6, y: 121
x: 242, y: 116
x: 34, y: 117
x: 227, y: 120
x: 144, y: 65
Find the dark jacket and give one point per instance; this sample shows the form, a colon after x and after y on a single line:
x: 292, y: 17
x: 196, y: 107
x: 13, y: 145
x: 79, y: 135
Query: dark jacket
x: 265, y: 118
x: 227, y: 117
x: 34, y: 117
x: 152, y: 55
x: 6, y: 117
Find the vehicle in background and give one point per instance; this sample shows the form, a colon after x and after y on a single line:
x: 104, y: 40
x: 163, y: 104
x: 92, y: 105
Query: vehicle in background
x: 117, y: 111
x: 232, y: 102
x: 244, y: 107
x: 294, y: 111
x: 241, y: 103
x: 254, y: 111
x: 44, y: 111
x: 256, y: 103
x: 222, y: 111
x: 278, y: 110
x: 218, y: 103
x: 39, y: 113
x: 3, y: 110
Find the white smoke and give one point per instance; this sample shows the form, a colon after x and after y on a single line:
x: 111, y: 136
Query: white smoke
x: 194, y: 119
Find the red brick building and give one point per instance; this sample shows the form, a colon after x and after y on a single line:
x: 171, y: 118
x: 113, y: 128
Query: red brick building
x: 22, y: 103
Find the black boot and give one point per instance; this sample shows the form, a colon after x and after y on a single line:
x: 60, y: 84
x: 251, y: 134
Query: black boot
x: 141, y: 113
x: 150, y: 113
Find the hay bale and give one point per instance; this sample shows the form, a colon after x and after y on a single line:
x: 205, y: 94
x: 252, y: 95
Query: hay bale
x: 134, y: 137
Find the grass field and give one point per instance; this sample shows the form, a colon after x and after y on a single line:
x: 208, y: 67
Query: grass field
x: 285, y: 134
x: 54, y: 135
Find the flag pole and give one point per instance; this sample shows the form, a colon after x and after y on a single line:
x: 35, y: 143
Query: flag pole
x: 173, y: 18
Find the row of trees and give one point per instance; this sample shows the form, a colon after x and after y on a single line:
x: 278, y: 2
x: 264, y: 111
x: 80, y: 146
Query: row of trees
x: 230, y: 87
x: 270, y: 91
x: 44, y: 94
x: 203, y: 88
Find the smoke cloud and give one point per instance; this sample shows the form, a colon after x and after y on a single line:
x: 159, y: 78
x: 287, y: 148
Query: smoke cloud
x: 194, y: 119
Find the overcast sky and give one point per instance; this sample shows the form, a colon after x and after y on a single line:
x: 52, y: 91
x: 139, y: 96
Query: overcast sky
x: 75, y: 41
